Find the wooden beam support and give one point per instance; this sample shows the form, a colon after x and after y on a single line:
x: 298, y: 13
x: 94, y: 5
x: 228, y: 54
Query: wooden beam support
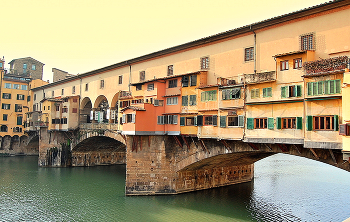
x: 283, y: 147
x: 314, y: 153
x: 140, y: 143
x: 194, y: 142
x: 333, y: 157
x: 187, y: 144
x: 203, y: 146
x: 226, y: 145
x: 149, y: 141
x: 268, y: 146
x: 253, y: 146
x: 296, y: 148
x: 178, y: 141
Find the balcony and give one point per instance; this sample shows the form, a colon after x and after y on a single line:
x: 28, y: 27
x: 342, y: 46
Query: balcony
x: 259, y: 77
x: 326, y: 66
x: 104, y: 126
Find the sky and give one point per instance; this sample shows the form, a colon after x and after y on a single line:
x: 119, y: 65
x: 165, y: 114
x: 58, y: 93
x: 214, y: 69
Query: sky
x: 78, y: 36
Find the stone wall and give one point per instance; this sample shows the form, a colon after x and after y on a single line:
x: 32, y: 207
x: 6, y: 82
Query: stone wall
x: 18, y: 146
x: 93, y: 158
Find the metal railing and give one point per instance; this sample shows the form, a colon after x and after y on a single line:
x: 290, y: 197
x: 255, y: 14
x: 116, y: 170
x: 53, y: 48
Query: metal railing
x: 109, y: 126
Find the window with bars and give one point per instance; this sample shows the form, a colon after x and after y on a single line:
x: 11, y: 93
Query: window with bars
x: 142, y: 76
x: 267, y: 92
x: 326, y: 87
x: 254, y: 93
x: 73, y: 89
x: 297, y: 63
x: 102, y: 84
x: 291, y: 91
x: 120, y: 80
x: 307, y: 42
x: 284, y: 65
x: 249, y: 54
x: 205, y: 62
x: 170, y: 70
x: 172, y: 83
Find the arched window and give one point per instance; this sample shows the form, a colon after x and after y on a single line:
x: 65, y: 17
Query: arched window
x: 3, y: 128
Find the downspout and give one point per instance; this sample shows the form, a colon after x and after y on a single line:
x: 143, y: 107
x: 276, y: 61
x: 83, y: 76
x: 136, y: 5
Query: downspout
x: 129, y: 77
x: 79, y: 99
x: 254, y: 48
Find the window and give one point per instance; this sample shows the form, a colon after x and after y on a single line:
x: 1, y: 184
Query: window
x: 329, y: 123
x: 16, y: 86
x: 138, y: 87
x: 193, y: 100
x: 158, y: 102
x: 20, y: 97
x: 58, y: 108
x: 210, y: 120
x: 260, y: 123
x: 18, y: 108
x: 232, y: 121
x: 8, y: 85
x: 6, y: 95
x: 205, y: 62
x: 288, y: 123
x: 19, y: 120
x: 297, y: 63
x: 172, y: 83
x: 28, y: 98
x: 33, y: 67
x: 3, y: 128
x: 324, y: 87
x: 249, y: 54
x: 64, y: 121
x: 4, y: 117
x: 284, y: 65
x: 307, y: 42
x: 254, y: 93
x: 87, y: 87
x: 184, y: 100
x: 56, y: 121
x: 189, y: 121
x: 120, y: 80
x: 208, y: 96
x: 128, y: 118
x: 24, y: 87
x: 48, y: 107
x: 73, y: 89
x: 193, y: 79
x: 62, y: 93
x: 64, y: 110
x: 24, y: 66
x: 172, y: 101
x: 185, y: 81
x: 52, y: 93
x: 171, y: 119
x: 75, y: 100
x: 74, y: 110
x: 150, y: 87
x: 267, y: 92
x: 291, y: 91
x: 102, y: 84
x: 5, y: 106
x: 170, y: 70
x: 17, y: 129
x: 35, y: 97
x: 142, y: 76
x: 234, y: 93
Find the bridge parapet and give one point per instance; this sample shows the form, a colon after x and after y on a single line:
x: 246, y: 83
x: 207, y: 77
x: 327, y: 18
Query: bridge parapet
x: 104, y: 126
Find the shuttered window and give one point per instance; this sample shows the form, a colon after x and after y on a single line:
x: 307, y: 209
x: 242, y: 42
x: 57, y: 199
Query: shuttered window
x: 290, y: 91
x: 254, y: 93
x: 184, y: 100
x: 326, y: 87
x: 267, y: 92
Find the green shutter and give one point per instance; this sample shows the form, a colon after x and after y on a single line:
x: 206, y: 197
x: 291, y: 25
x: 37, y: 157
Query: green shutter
x: 215, y: 120
x: 203, y: 96
x: 309, y: 125
x: 257, y: 93
x: 309, y: 89
x: 299, y: 122
x: 298, y: 90
x: 19, y: 120
x: 250, y: 123
x: 331, y: 87
x: 182, y: 121
x: 241, y: 121
x: 283, y: 92
x: 279, y: 122
x: 336, y: 122
x: 326, y: 86
x: 264, y: 92
x: 287, y: 91
x: 223, y: 121
x: 337, y: 86
x: 252, y: 93
x: 224, y: 94
x: 270, y: 123
x: 315, y: 88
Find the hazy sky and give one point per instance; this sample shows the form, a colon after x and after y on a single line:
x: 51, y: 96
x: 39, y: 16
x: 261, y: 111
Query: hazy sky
x: 78, y: 36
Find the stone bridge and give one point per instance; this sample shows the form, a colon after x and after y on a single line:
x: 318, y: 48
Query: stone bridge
x: 168, y: 164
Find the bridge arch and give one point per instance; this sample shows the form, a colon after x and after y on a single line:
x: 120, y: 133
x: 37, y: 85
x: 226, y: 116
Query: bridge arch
x: 85, y: 110
x: 101, y: 107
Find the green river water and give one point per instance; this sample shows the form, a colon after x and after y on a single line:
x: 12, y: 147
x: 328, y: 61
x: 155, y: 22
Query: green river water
x: 285, y: 188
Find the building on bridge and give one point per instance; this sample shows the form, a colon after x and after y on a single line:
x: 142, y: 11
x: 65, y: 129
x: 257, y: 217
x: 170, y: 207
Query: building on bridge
x: 278, y: 84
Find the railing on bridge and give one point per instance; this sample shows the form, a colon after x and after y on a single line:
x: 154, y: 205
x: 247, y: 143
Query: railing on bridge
x: 109, y: 126
x: 260, y: 77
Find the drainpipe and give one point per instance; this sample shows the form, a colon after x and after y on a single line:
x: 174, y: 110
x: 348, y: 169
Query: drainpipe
x: 254, y: 48
x: 79, y: 99
x: 129, y: 76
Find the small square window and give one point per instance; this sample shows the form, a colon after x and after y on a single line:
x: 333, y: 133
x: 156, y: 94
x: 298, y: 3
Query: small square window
x: 172, y: 83
x: 102, y: 84
x: 307, y: 42
x: 86, y: 86
x: 297, y: 63
x: 284, y: 65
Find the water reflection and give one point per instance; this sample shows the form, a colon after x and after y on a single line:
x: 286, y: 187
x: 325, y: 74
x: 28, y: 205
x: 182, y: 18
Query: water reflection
x: 285, y: 188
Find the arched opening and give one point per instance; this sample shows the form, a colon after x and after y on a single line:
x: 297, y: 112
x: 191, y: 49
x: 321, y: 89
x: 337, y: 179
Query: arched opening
x: 114, y: 109
x: 33, y: 145
x: 99, y: 150
x: 86, y: 109
x: 102, y: 111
